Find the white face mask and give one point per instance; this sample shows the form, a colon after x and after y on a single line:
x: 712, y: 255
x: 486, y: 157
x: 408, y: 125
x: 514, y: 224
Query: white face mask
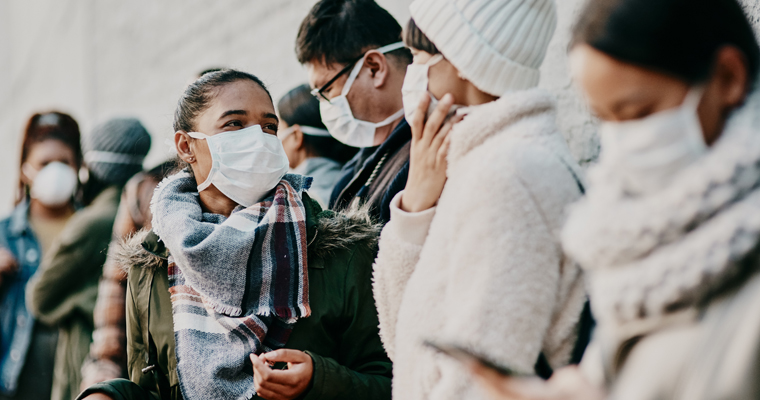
x: 651, y: 150
x: 415, y: 87
x: 340, y: 121
x: 54, y: 185
x: 246, y: 164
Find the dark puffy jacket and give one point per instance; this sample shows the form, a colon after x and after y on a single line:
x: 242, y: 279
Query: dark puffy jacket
x: 341, y: 335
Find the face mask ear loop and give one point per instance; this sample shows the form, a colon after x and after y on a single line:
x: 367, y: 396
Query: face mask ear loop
x: 197, y: 135
x: 694, y: 97
x: 352, y: 77
x: 203, y: 186
x: 434, y: 60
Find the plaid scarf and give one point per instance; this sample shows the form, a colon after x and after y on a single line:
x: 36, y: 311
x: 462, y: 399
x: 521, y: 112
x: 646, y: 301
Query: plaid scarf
x: 238, y: 284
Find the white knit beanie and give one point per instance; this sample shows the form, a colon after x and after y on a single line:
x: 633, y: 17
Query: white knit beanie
x: 498, y: 45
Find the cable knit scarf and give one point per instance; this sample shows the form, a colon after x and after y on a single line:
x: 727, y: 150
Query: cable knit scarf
x: 237, y: 284
x: 656, y: 253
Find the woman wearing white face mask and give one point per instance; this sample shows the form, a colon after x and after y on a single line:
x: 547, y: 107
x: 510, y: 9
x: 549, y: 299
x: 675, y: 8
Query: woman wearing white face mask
x: 50, y: 157
x: 669, y: 232
x: 249, y: 272
x: 471, y: 255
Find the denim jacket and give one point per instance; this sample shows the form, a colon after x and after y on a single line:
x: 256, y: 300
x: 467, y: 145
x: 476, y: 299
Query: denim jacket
x: 16, y: 322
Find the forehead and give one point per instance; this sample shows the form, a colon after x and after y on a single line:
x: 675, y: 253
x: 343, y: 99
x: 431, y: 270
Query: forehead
x: 321, y: 73
x: 240, y: 95
x: 603, y: 76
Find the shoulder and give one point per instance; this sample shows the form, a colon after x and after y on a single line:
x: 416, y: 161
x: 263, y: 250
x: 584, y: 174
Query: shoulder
x: 96, y: 219
x: 344, y: 236
x: 533, y: 162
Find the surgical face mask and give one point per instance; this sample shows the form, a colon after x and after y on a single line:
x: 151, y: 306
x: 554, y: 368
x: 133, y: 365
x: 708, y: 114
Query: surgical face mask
x: 246, y: 164
x: 415, y: 87
x: 307, y: 130
x: 54, y: 185
x: 340, y: 121
x: 651, y: 150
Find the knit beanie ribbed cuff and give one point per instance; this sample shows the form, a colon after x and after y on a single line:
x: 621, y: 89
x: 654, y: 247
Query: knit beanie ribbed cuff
x: 477, y: 61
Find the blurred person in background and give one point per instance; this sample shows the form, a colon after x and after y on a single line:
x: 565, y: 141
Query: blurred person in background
x: 310, y: 148
x: 50, y: 158
x: 63, y: 290
x: 470, y: 256
x: 108, y: 351
x: 670, y: 229
x: 207, y: 316
x: 356, y: 64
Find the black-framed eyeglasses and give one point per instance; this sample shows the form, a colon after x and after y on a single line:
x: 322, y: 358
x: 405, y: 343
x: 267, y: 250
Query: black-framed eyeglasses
x: 319, y: 92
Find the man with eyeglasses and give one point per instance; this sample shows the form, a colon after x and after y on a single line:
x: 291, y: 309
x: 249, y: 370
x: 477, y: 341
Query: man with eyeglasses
x: 356, y: 64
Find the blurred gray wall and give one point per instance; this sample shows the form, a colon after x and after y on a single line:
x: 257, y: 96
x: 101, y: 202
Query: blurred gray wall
x: 97, y: 59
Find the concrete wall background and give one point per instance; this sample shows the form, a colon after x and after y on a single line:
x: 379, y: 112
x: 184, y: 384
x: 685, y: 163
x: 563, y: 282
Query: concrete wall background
x: 97, y: 59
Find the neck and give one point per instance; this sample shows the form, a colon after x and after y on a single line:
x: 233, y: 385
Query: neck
x: 214, y: 201
x: 382, y: 133
x: 40, y: 210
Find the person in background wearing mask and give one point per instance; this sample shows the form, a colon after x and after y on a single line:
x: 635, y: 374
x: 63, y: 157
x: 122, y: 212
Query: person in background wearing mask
x: 249, y: 272
x: 356, y: 64
x: 310, y: 148
x: 63, y: 290
x: 50, y: 158
x: 470, y: 256
x: 108, y: 351
x: 669, y: 231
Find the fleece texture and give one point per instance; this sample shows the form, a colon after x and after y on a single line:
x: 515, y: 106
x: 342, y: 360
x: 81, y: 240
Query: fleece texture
x: 484, y: 268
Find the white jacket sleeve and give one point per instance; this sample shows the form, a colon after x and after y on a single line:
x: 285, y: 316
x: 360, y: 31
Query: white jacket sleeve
x: 400, y: 244
x: 503, y: 282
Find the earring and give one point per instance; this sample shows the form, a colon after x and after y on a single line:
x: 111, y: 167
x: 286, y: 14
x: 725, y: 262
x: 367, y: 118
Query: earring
x: 191, y: 159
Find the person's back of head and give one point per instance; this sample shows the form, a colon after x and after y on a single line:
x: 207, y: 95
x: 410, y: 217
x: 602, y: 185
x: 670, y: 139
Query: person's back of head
x: 299, y: 107
x: 116, y: 149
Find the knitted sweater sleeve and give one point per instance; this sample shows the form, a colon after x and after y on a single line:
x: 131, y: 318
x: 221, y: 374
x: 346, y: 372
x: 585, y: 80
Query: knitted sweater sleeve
x: 400, y: 246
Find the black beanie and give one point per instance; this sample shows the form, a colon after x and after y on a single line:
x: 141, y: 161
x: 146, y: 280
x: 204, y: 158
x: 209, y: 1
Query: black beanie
x: 679, y: 37
x: 116, y: 149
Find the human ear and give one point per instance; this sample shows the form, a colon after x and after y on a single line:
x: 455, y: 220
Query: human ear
x: 297, y: 137
x: 731, y: 76
x: 378, y: 66
x: 182, y: 144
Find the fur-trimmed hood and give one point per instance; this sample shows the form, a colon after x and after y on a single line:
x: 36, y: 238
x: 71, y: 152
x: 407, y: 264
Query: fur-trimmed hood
x: 330, y: 232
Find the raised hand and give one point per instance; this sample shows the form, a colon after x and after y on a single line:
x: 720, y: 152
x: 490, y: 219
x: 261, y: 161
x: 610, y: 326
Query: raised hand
x: 427, y: 160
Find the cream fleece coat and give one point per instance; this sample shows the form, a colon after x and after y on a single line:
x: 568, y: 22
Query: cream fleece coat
x: 484, y: 269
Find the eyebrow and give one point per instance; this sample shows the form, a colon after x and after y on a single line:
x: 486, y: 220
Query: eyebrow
x: 272, y: 116
x: 233, y: 112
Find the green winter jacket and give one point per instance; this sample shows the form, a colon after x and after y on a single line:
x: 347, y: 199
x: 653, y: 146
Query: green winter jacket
x: 63, y: 290
x: 341, y: 335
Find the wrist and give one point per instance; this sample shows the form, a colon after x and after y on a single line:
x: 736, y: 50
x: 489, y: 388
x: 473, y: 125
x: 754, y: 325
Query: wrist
x: 411, y: 204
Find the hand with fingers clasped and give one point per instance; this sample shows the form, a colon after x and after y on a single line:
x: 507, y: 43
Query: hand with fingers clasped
x: 427, y: 159
x: 286, y: 384
x: 567, y: 383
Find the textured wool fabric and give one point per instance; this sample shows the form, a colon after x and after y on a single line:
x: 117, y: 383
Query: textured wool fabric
x: 231, y: 278
x: 656, y: 253
x: 115, y: 150
x: 673, y: 274
x: 496, y: 45
x: 484, y: 269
